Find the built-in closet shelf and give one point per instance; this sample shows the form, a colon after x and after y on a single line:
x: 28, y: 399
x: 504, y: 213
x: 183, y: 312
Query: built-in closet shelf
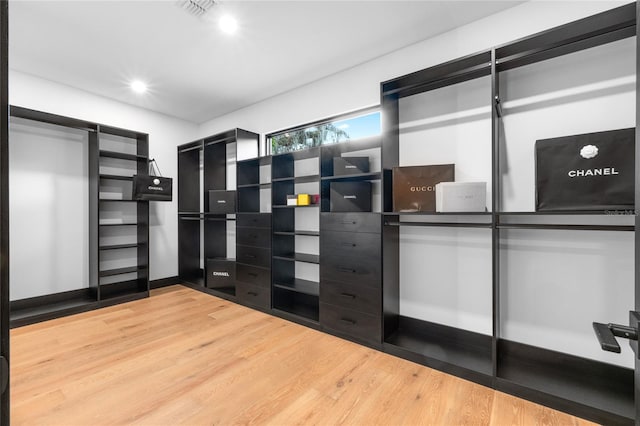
x: 116, y: 177
x: 615, y: 213
x: 300, y: 257
x: 293, y: 207
x: 436, y: 213
x: 120, y: 271
x: 298, y: 179
x: 441, y: 224
x: 255, y: 185
x: 119, y: 224
x: 301, y: 314
x: 298, y: 285
x: 111, y: 200
x: 605, y: 387
x: 120, y: 246
x: 301, y: 233
x: 219, y: 217
x: 453, y: 346
x: 353, y: 178
x: 122, y: 155
x: 554, y: 227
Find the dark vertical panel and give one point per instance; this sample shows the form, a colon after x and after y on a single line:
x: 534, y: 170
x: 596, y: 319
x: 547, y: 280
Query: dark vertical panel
x: 189, y: 181
x: 390, y: 234
x: 215, y: 239
x: 637, y: 223
x: 189, y: 249
x: 495, y: 206
x: 4, y: 201
x: 143, y: 247
x: 142, y: 207
x: 94, y: 212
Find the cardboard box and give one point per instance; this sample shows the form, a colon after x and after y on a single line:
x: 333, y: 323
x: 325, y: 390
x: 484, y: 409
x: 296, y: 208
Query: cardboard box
x: 350, y: 165
x: 350, y: 196
x: 461, y: 197
x: 221, y: 273
x: 414, y: 188
x: 304, y: 199
x: 292, y: 200
x: 222, y: 202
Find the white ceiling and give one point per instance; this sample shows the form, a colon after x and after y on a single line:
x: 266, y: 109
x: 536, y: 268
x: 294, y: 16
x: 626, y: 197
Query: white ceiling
x: 197, y: 73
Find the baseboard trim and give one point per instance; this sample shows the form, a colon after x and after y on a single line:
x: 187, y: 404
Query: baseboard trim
x: 164, y: 282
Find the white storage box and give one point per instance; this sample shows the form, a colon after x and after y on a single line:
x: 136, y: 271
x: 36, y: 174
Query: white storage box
x: 461, y: 197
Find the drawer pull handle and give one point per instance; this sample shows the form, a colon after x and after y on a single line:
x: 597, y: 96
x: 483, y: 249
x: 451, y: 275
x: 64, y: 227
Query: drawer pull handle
x: 348, y: 321
x: 253, y: 274
x: 353, y: 271
x: 349, y: 222
x: 250, y: 256
x: 348, y: 295
x: 348, y: 244
x: 252, y: 293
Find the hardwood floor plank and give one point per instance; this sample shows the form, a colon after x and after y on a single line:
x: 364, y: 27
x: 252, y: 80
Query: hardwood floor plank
x: 185, y: 357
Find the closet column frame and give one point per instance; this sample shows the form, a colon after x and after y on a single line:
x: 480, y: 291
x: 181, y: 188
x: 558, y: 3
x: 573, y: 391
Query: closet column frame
x: 496, y: 114
x: 94, y: 211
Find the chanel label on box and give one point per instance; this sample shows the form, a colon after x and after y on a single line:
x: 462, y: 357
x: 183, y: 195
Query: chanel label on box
x: 221, y: 273
x: 592, y: 171
x: 461, y: 196
x: 350, y: 165
x: 222, y: 202
x: 414, y: 188
x: 350, y: 196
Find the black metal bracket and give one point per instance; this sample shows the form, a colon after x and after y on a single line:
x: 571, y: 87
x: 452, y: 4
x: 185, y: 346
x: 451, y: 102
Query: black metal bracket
x: 496, y: 99
x: 607, y: 333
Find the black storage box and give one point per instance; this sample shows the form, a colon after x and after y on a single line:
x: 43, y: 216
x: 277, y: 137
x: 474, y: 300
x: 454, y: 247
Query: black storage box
x: 414, y: 187
x: 350, y: 196
x: 221, y: 273
x: 350, y: 165
x: 593, y: 171
x: 222, y: 202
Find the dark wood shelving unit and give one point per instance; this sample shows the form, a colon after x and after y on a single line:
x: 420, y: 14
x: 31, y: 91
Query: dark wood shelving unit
x: 292, y: 293
x: 98, y: 293
x: 135, y: 164
x: 207, y: 159
x: 595, y: 390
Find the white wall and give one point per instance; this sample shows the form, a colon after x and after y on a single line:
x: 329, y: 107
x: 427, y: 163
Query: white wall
x: 49, y: 209
x: 165, y: 133
x: 359, y: 87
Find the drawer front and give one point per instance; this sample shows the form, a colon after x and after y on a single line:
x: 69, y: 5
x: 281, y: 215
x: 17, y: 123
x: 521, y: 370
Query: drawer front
x: 258, y: 220
x: 350, y: 269
x: 257, y: 237
x: 353, y: 323
x: 362, y: 246
x: 255, y: 256
x: 253, y: 275
x: 253, y: 295
x: 357, y: 297
x: 350, y: 222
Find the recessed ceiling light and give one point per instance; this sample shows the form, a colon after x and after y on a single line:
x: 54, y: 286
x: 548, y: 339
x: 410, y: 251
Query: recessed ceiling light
x: 138, y: 86
x: 228, y: 24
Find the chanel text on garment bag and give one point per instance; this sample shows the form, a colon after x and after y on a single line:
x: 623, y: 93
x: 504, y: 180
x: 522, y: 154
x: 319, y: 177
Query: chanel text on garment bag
x: 592, y: 171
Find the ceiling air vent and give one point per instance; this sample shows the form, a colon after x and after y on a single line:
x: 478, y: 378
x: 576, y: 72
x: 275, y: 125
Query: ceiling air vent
x: 196, y: 8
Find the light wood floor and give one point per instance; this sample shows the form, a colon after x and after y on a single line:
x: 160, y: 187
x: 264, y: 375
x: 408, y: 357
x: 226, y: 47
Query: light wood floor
x: 184, y: 357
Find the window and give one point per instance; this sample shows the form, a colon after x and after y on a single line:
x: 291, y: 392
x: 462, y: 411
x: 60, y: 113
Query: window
x: 337, y: 130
